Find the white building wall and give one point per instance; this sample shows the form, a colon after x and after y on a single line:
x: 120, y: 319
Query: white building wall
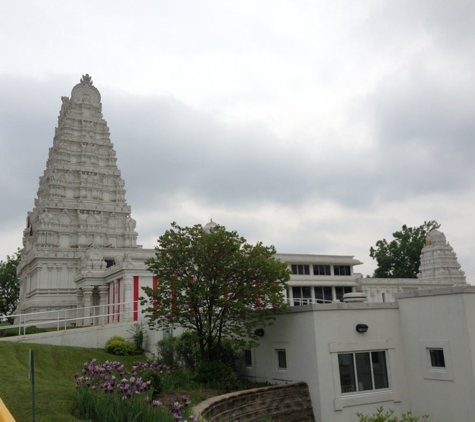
x: 312, y: 337
x: 441, y: 318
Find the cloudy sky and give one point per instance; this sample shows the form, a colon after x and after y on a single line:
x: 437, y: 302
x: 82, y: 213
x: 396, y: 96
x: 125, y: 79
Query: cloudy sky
x: 315, y: 126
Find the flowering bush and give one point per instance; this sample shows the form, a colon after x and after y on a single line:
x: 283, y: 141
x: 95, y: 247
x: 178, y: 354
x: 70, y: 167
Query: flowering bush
x: 388, y: 416
x: 109, y: 393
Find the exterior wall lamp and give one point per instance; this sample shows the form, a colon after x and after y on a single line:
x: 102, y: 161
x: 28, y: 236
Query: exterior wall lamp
x: 259, y: 332
x: 361, y: 328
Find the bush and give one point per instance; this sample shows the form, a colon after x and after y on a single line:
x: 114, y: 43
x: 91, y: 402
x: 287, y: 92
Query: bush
x: 382, y: 416
x: 217, y: 375
x: 155, y: 382
x: 226, y: 352
x: 166, y: 352
x: 139, y: 335
x: 120, y: 346
x: 187, y: 349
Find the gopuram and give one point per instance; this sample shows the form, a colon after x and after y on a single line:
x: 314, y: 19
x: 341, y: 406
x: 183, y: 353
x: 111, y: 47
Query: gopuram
x: 79, y: 244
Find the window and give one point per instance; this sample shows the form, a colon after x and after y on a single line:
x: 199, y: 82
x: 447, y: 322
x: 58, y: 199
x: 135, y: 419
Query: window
x: 363, y: 371
x: 281, y: 359
x: 300, y: 269
x: 341, y: 270
x: 341, y: 290
x: 437, y: 359
x: 322, y: 270
x: 323, y: 294
x: 302, y: 295
x: 247, y: 358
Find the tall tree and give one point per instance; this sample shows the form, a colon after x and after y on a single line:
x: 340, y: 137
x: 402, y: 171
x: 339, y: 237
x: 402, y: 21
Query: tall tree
x: 214, y: 283
x: 401, y: 258
x: 9, y: 285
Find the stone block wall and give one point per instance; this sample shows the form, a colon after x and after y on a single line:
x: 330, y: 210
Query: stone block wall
x: 281, y: 403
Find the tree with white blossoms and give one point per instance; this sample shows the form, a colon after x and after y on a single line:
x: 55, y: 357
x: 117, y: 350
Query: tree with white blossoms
x: 9, y: 286
x: 214, y: 283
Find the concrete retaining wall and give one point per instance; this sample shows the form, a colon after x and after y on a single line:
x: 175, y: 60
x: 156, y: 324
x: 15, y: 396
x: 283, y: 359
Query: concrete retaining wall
x: 281, y: 403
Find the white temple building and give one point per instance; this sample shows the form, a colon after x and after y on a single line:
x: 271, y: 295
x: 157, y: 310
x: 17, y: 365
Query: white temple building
x: 359, y: 343
x: 80, y: 244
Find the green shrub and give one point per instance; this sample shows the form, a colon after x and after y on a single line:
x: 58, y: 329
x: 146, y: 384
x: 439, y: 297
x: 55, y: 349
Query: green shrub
x: 217, y: 375
x: 226, y: 352
x: 156, y: 382
x: 388, y: 416
x: 139, y: 335
x: 187, y: 349
x: 166, y: 352
x: 120, y: 346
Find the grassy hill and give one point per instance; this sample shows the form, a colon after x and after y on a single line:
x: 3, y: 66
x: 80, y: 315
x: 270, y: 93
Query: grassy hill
x: 55, y: 367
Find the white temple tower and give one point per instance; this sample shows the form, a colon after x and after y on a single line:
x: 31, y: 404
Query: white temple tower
x: 439, y: 262
x: 81, y: 224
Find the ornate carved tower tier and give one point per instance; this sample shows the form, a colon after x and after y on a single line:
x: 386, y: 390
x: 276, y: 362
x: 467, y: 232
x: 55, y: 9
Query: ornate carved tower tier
x: 81, y: 220
x: 439, y: 262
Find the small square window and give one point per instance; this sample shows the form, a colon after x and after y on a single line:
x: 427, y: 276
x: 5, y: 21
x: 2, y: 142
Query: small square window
x: 437, y: 359
x: 281, y: 359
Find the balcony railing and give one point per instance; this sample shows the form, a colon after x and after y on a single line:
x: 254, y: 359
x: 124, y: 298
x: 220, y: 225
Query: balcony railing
x: 307, y: 301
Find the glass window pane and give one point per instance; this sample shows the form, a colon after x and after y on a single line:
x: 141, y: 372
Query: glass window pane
x: 318, y: 294
x: 281, y: 359
x: 339, y: 293
x: 363, y: 371
x: 307, y: 292
x: 247, y: 358
x: 296, y: 292
x: 327, y: 292
x: 380, y: 370
x: 347, y: 373
x: 437, y: 359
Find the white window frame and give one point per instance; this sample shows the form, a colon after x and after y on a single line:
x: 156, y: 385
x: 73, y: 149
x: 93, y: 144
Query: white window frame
x: 358, y: 382
x: 277, y: 352
x: 248, y: 352
x: 368, y: 396
x: 436, y: 372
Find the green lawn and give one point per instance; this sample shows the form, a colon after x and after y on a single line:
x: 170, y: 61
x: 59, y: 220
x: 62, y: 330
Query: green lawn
x: 55, y: 367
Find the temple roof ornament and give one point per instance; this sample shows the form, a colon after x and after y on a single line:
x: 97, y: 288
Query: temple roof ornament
x: 210, y: 226
x: 439, y: 261
x: 86, y: 80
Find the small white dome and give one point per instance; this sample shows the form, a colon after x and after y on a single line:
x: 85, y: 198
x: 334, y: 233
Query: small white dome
x: 210, y: 226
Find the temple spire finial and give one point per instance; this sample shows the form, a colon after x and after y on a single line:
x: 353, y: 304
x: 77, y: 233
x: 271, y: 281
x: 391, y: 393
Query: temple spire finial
x: 86, y: 80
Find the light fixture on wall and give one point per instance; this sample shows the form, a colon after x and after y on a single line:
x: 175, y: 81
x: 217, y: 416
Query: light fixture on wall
x: 259, y: 332
x: 361, y: 328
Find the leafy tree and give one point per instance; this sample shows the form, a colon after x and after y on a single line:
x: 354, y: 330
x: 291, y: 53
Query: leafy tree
x: 9, y: 285
x: 214, y: 283
x: 401, y: 258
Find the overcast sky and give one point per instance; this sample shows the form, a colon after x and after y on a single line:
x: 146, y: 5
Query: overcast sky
x: 316, y: 126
